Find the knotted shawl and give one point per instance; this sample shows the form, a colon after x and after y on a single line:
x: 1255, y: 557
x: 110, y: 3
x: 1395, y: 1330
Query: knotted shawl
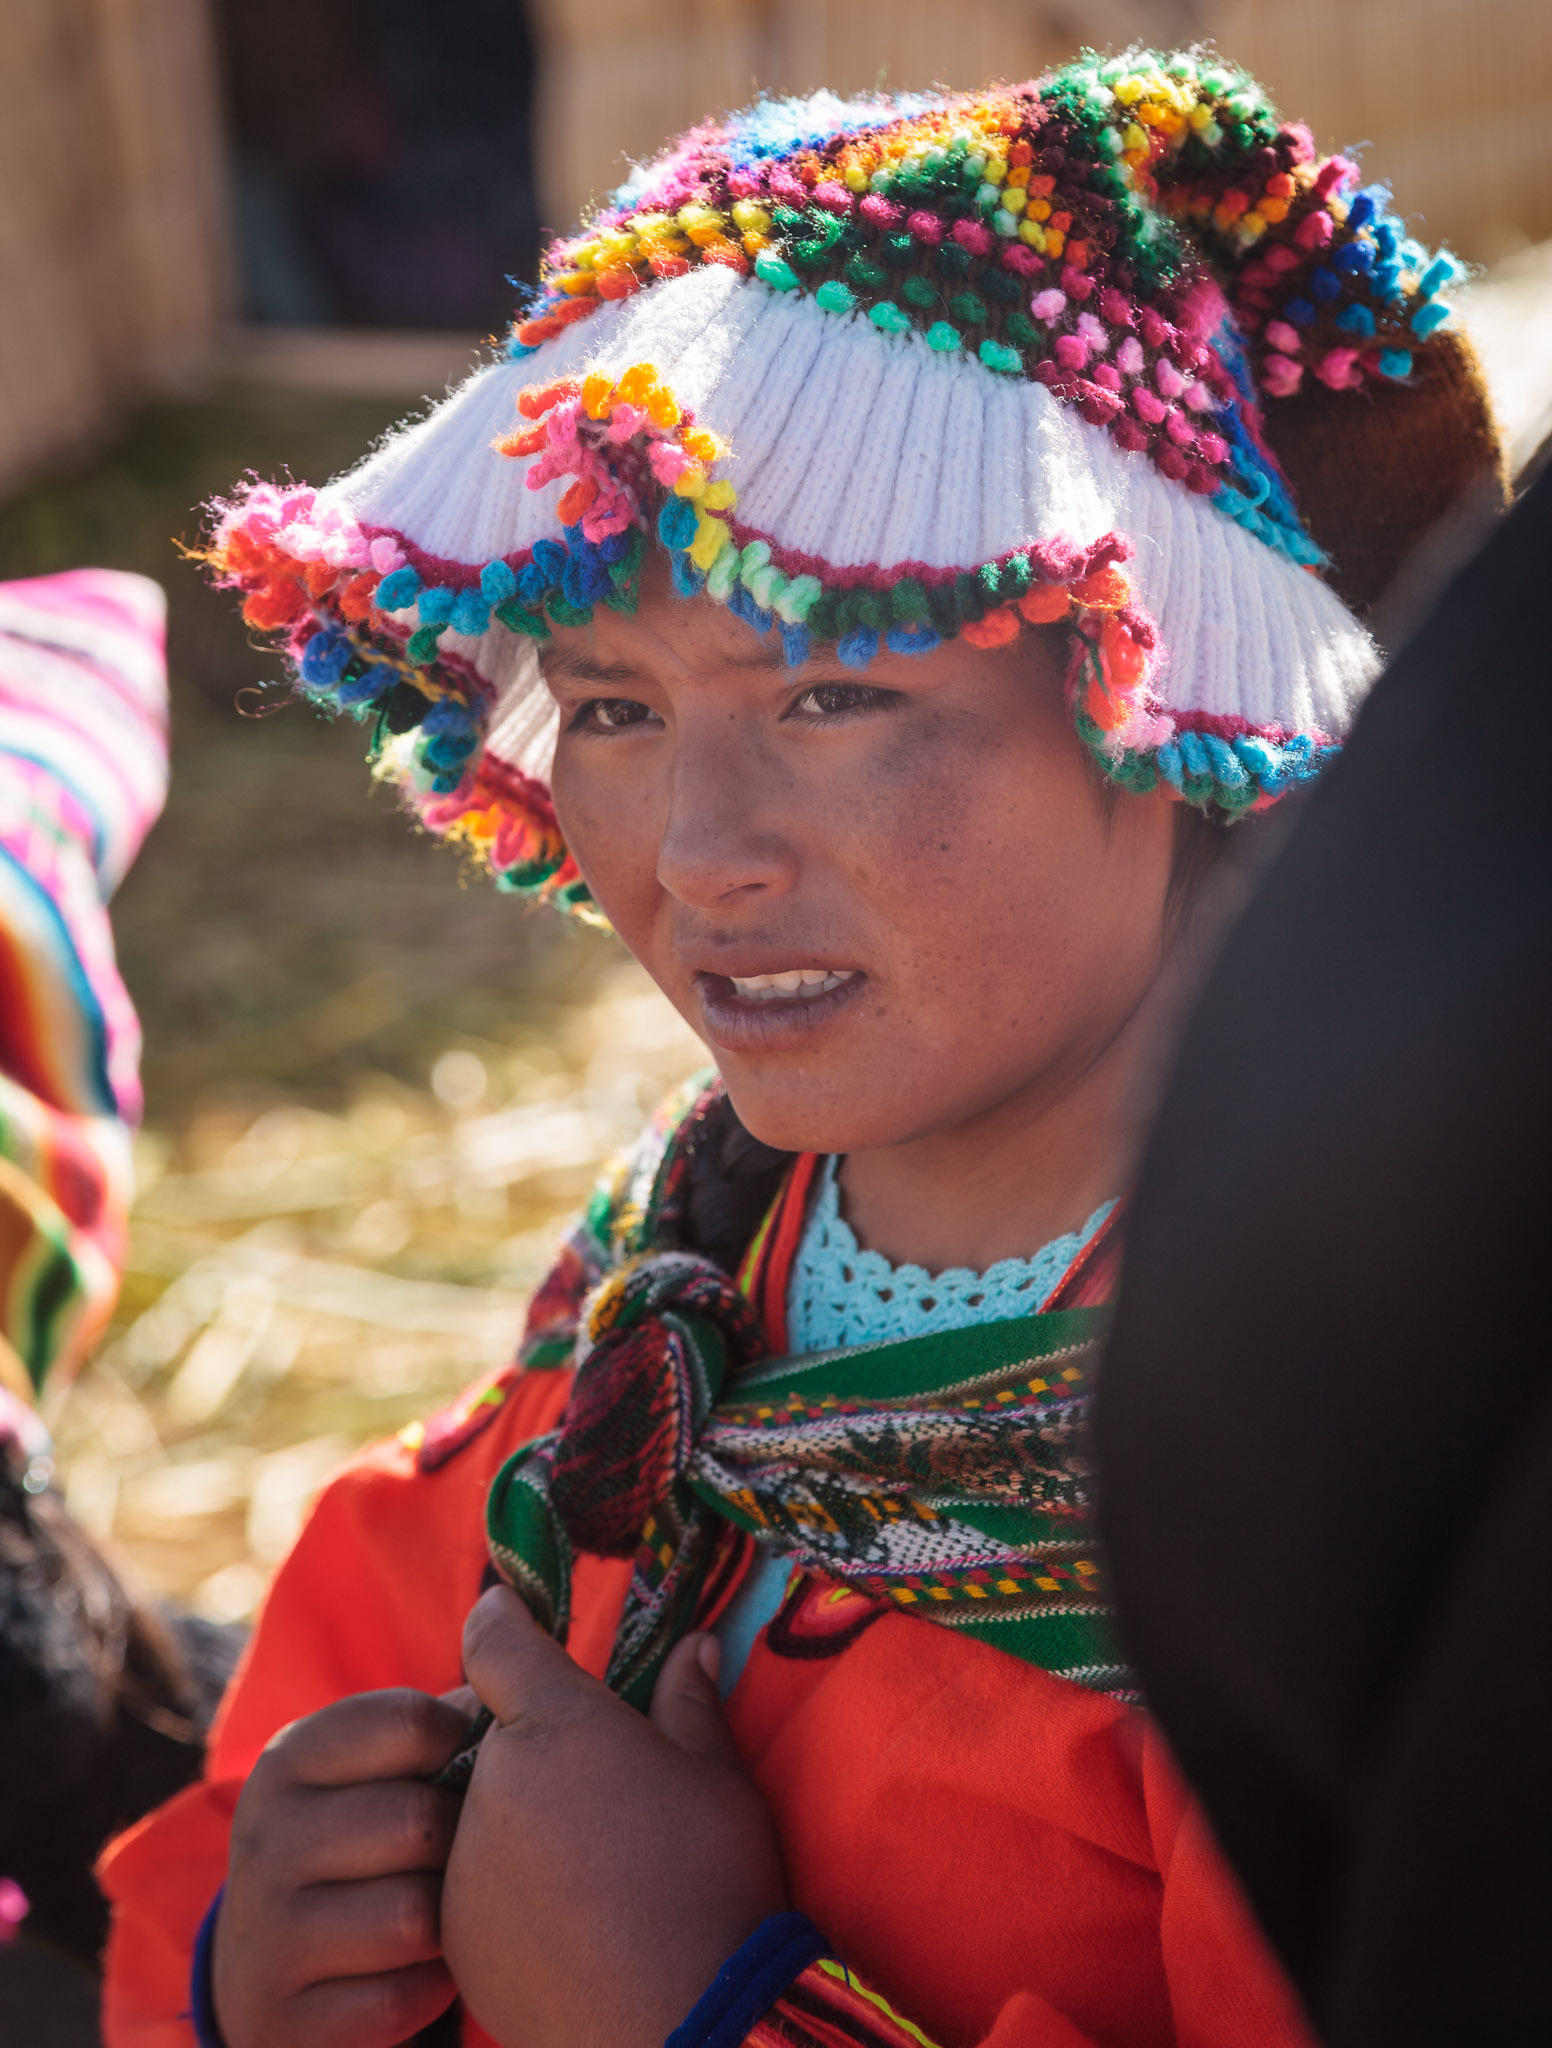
x: 946, y: 1475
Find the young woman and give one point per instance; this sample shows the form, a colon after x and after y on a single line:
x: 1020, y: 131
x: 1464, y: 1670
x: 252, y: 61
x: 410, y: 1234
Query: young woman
x: 870, y: 584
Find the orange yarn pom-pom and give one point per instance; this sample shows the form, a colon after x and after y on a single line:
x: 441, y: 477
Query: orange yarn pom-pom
x: 995, y: 630
x: 577, y: 500
x: 1106, y: 590
x: 276, y: 605
x: 1044, y: 603
x: 1126, y: 662
x: 356, y: 598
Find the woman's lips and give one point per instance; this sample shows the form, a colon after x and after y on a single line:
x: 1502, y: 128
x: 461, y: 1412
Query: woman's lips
x: 764, y: 1021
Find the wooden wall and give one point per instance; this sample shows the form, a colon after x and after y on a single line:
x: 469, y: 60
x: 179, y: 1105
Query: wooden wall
x: 113, y: 258
x: 1452, y: 95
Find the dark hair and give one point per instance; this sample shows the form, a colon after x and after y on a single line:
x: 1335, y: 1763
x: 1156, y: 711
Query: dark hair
x: 1201, y: 841
x: 104, y: 1704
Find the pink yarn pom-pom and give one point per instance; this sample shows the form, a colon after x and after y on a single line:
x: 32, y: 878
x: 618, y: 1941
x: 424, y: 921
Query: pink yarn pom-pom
x: 1281, y: 376
x: 971, y: 235
x: 1339, y: 369
x: 1071, y: 352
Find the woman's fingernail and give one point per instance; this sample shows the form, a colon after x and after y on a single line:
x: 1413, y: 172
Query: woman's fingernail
x: 708, y: 1655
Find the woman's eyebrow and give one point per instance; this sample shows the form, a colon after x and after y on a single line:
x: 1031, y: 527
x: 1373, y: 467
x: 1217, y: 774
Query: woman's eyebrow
x: 573, y: 665
x: 576, y: 665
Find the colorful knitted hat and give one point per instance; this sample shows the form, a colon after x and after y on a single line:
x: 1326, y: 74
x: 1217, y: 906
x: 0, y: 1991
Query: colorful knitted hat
x: 882, y: 372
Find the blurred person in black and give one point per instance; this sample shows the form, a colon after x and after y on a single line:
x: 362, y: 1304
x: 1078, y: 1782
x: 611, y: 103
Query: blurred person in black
x: 1325, y: 1437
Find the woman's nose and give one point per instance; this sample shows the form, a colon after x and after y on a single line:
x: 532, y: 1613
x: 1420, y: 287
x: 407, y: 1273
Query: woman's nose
x: 722, y: 837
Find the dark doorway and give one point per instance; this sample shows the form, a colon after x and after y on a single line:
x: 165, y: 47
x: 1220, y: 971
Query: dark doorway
x: 381, y: 159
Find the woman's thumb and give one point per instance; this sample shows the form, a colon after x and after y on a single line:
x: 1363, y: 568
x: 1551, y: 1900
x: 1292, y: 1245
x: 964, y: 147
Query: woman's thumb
x: 685, y: 1706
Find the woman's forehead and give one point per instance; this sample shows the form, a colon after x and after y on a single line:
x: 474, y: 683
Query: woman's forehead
x: 670, y: 638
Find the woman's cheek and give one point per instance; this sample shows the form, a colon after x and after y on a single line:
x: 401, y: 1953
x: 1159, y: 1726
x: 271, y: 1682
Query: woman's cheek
x: 608, y: 830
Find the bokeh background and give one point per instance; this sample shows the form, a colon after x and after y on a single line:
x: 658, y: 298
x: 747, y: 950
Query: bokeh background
x: 238, y: 236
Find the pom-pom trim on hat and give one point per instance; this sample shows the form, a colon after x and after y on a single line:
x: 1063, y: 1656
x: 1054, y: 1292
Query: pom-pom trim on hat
x: 363, y: 616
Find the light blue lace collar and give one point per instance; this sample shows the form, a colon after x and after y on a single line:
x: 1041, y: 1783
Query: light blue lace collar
x: 840, y: 1294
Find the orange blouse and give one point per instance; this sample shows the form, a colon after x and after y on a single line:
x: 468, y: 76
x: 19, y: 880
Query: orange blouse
x: 1009, y: 1859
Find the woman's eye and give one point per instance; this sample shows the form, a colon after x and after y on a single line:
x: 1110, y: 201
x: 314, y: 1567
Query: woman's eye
x: 839, y: 700
x: 610, y: 714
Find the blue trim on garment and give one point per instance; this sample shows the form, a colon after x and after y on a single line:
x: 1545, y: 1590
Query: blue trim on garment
x: 753, y: 1607
x: 202, y: 1999
x: 750, y: 1982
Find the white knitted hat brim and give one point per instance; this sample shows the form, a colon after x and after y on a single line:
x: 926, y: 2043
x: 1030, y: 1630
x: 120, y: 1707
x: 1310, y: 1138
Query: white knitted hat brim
x: 873, y: 452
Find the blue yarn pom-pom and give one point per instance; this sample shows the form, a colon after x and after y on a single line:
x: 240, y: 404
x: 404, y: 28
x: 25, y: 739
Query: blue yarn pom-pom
x: 550, y: 559
x: 497, y: 582
x: 796, y: 644
x: 436, y: 605
x: 911, y: 640
x: 446, y: 752
x: 1193, y: 755
x: 398, y: 590
x: 687, y: 578
x: 448, y: 715
x: 1395, y: 362
x: 325, y: 659
x: 1445, y: 269
x: 367, y: 687
x: 585, y: 578
x: 532, y: 584
x: 676, y: 524
x: 1228, y: 770
x: 1169, y: 764
x: 1428, y: 318
x: 1356, y: 319
x: 614, y: 547
x: 471, y: 614
x: 1299, y: 313
x: 742, y: 605
x: 857, y: 648
x: 1325, y: 284
x: 1258, y: 755
x: 1355, y: 258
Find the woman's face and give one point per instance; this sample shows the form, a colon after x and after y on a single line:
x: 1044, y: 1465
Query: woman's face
x: 922, y: 842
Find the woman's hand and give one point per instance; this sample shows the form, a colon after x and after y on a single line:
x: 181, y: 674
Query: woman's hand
x: 327, y: 1934
x: 605, y: 1865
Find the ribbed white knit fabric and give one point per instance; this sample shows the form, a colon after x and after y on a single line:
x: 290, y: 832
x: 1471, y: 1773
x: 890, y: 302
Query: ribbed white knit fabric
x: 863, y: 448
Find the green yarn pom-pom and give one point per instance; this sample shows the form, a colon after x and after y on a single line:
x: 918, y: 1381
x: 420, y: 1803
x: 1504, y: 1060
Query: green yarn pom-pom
x: 771, y: 270
x: 941, y: 336
x: 996, y: 355
x: 866, y: 276
x: 517, y: 618
x: 422, y: 646
x: 919, y: 291
x: 888, y: 316
x: 835, y: 297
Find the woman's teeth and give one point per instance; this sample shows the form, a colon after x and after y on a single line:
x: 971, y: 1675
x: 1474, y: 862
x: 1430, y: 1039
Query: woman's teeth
x: 796, y: 981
